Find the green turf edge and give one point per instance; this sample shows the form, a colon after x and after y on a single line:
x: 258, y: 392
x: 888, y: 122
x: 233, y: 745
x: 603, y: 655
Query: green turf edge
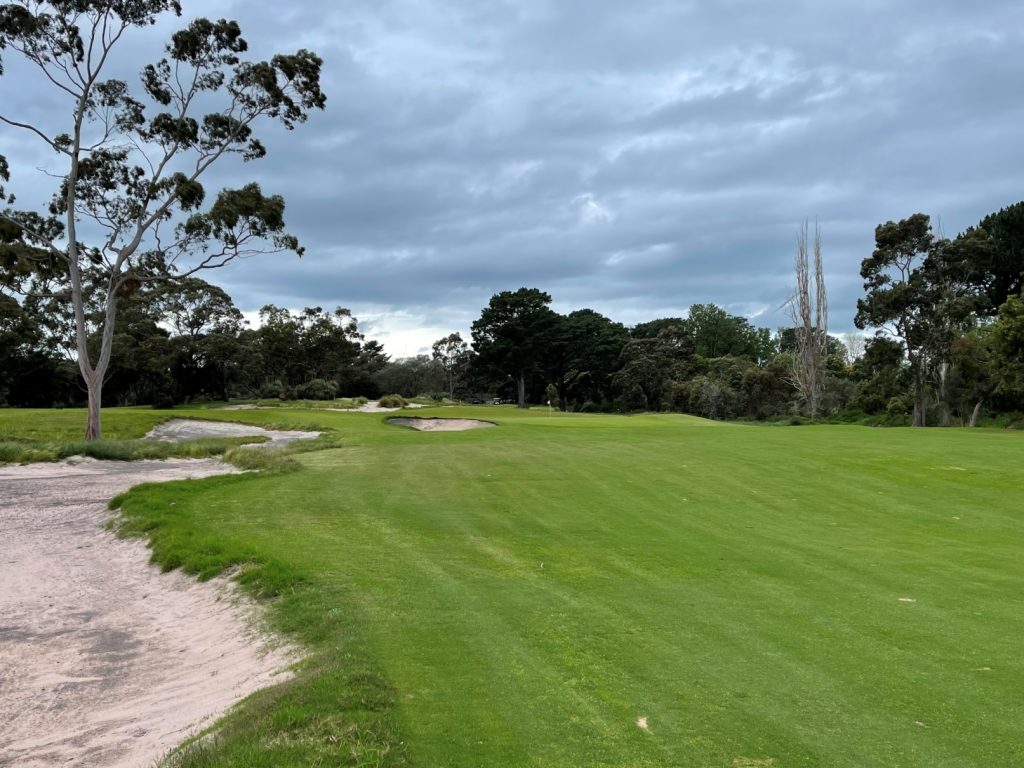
x: 337, y: 709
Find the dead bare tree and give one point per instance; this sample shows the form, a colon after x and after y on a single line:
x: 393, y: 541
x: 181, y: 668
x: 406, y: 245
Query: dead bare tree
x: 855, y: 344
x: 809, y: 314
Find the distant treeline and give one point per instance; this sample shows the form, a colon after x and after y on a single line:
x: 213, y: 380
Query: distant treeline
x: 948, y: 314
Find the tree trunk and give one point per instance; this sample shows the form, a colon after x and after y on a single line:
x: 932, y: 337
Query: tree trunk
x: 522, y: 390
x: 974, y: 414
x: 916, y: 365
x: 93, y: 430
x: 944, y: 415
x: 919, y: 405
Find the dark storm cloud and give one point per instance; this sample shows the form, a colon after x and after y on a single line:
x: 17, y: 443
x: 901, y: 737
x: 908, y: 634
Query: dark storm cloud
x: 635, y: 160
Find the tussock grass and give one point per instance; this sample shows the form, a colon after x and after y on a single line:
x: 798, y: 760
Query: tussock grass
x: 261, y: 459
x: 339, y: 402
x: 26, y: 452
x: 28, y: 436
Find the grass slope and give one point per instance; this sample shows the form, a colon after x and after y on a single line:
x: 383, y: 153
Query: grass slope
x: 819, y: 596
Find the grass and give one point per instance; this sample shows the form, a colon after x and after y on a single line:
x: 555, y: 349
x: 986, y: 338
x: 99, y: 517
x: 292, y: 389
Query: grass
x: 29, y: 451
x: 520, y: 596
x: 35, y: 435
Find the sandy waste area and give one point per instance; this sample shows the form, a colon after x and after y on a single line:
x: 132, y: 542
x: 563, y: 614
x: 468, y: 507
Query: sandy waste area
x: 104, y: 661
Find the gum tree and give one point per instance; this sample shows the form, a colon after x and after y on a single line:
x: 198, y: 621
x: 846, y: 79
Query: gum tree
x: 898, y: 294
x: 132, y: 159
x: 452, y: 352
x: 513, y: 333
x: 916, y: 292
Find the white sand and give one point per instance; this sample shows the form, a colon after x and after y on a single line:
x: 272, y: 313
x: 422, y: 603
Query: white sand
x: 178, y: 430
x: 104, y: 661
x: 441, y: 425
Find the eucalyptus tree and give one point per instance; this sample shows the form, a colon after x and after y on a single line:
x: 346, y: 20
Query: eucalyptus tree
x: 898, y: 296
x: 1007, y: 340
x: 593, y: 345
x: 716, y: 333
x: 994, y: 256
x: 208, y: 350
x: 452, y: 354
x: 920, y: 289
x: 513, y: 333
x: 132, y: 160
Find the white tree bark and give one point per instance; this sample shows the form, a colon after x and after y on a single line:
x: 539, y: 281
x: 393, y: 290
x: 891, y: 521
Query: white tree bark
x: 808, y: 311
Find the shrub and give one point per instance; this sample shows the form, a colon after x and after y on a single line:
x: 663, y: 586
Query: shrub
x: 271, y: 390
x: 317, y: 389
x: 897, y: 406
x: 393, y: 401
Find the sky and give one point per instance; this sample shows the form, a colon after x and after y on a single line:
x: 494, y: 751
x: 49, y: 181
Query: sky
x: 634, y: 158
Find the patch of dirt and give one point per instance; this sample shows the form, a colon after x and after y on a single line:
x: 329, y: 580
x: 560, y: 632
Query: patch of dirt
x: 441, y: 425
x: 179, y: 430
x: 104, y: 661
x: 641, y: 723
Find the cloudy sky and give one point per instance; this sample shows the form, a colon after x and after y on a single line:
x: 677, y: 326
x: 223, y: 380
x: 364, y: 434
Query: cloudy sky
x: 631, y: 157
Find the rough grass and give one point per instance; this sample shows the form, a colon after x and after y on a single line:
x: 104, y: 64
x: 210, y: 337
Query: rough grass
x: 522, y: 596
x: 68, y: 425
x: 33, y: 435
x: 261, y: 459
x: 339, y: 402
x: 26, y: 452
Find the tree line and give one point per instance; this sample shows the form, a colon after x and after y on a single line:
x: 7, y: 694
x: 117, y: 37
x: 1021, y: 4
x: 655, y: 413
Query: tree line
x: 948, y: 348
x: 948, y: 344
x: 102, y: 301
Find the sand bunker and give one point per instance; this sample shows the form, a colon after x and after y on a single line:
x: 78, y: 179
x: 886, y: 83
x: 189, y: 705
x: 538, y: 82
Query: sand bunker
x: 179, y: 430
x: 441, y: 425
x: 104, y: 661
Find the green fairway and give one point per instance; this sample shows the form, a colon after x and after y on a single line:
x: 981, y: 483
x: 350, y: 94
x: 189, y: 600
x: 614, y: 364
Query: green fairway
x: 524, y: 596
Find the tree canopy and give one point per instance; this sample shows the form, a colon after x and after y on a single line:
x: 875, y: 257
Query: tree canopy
x: 512, y: 334
x: 130, y: 204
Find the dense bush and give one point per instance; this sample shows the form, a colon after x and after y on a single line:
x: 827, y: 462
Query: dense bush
x: 393, y: 401
x: 317, y: 389
x: 272, y: 389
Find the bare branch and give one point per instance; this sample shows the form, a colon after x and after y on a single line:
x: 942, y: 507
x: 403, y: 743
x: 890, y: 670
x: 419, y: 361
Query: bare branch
x: 28, y: 127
